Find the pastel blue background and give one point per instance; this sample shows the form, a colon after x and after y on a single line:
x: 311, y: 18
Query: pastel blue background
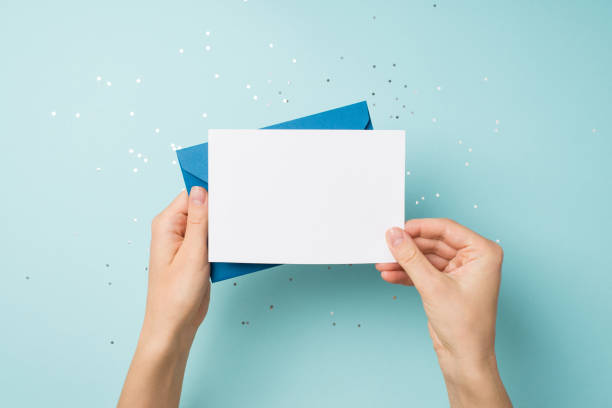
x: 541, y: 184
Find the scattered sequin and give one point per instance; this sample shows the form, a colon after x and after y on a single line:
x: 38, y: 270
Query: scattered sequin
x: 469, y: 150
x: 135, y: 219
x: 437, y: 195
x: 112, y: 342
x: 475, y: 205
x: 497, y: 121
x: 416, y: 202
x: 285, y: 100
x: 460, y: 141
x: 496, y: 130
x: 290, y: 279
x: 207, y: 48
x: 138, y: 80
x: 331, y: 313
x: 205, y: 115
x: 594, y: 130
x: 434, y: 120
x: 334, y: 323
x: 394, y: 297
x: 181, y: 50
x: 467, y: 164
x: 255, y: 97
x: 77, y: 115
x: 98, y: 78
x: 271, y: 307
x: 294, y: 60
x: 422, y: 198
x: 217, y: 76
x: 156, y: 130
x: 439, y: 88
x: 53, y: 113
x: 235, y: 283
x: 98, y: 168
x: 358, y: 325
x: 107, y: 265
x: 130, y: 151
x: 132, y: 114
x: 139, y: 155
x: 248, y: 86
x: 497, y: 240
x: 486, y: 79
x: 109, y: 83
x: 110, y: 283
x: 271, y: 45
x: 135, y: 170
x: 407, y: 173
x: 174, y: 162
x: 208, y: 33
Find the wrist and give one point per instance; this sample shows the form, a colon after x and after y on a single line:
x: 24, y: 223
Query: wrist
x: 473, y: 382
x: 460, y: 370
x: 158, y: 341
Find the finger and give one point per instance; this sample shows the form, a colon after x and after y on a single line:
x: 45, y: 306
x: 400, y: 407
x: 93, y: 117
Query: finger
x: 168, y: 229
x: 437, y: 261
x: 434, y: 246
x: 178, y: 205
x: 397, y: 277
x: 412, y: 260
x: 196, y: 234
x: 388, y: 267
x: 455, y: 235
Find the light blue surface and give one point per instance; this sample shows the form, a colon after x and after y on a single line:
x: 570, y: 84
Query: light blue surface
x: 541, y: 184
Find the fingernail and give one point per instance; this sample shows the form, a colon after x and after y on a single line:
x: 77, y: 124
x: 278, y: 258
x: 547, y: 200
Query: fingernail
x: 395, y: 236
x: 197, y: 195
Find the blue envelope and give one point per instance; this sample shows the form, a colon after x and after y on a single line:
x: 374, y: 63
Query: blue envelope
x: 194, y: 166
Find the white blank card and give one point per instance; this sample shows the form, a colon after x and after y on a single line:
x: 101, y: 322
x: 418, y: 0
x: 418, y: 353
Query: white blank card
x: 304, y: 196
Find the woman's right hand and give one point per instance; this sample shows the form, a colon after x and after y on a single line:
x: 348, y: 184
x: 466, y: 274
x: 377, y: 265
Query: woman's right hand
x: 457, y: 273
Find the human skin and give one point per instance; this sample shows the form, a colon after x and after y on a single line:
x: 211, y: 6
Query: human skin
x: 457, y: 274
x: 177, y: 302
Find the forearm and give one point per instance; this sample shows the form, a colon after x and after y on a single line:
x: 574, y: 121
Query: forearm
x: 474, y: 383
x: 156, y: 374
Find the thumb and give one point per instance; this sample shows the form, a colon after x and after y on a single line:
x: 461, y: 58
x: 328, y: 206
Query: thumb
x: 196, y: 233
x: 411, y: 259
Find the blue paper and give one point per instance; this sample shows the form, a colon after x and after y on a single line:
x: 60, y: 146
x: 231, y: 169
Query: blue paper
x: 194, y: 166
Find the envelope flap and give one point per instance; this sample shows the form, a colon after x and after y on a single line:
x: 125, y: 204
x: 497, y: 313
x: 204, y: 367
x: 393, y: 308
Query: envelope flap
x: 355, y: 116
x: 194, y: 160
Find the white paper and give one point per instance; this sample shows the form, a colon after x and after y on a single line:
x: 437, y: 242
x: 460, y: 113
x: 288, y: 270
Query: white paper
x: 304, y: 196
